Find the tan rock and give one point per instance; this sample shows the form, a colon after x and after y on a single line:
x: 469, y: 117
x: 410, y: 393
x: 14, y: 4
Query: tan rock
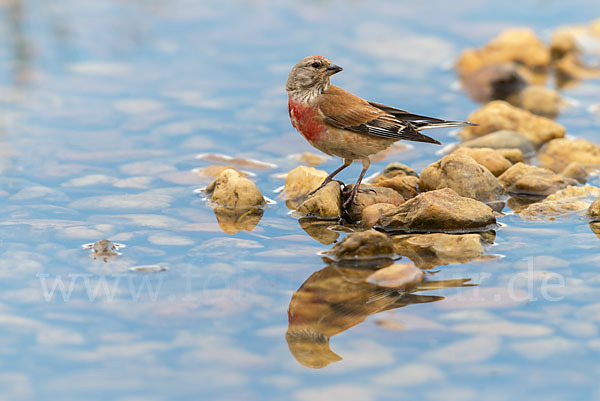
x: 487, y: 157
x: 563, y: 41
x: 463, y: 175
x: 576, y: 171
x: 500, y: 115
x: 438, y: 210
x: 215, y: 170
x: 494, y: 82
x: 532, y: 180
x: 369, y: 195
x: 407, y: 186
x: 399, y: 275
x: 595, y: 28
x: 520, y: 46
x: 231, y: 190
x: 395, y: 169
x: 360, y: 245
x: 327, y: 202
x: 568, y: 200
x: 513, y: 155
x: 594, y: 209
x: 571, y: 67
x: 302, y: 180
x: 540, y: 100
x: 232, y: 221
x: 320, y: 230
x: 503, y: 139
x: 559, y: 153
x: 372, y: 213
x: 430, y: 250
x: 311, y: 159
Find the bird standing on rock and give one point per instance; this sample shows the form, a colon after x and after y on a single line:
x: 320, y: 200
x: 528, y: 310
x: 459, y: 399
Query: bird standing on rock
x: 342, y: 124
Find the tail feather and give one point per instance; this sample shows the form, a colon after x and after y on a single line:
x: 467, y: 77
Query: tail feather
x: 443, y: 124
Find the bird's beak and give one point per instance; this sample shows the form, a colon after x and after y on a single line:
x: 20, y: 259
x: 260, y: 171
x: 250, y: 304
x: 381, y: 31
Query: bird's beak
x: 333, y: 69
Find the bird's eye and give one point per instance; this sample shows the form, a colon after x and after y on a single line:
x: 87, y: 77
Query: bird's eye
x: 316, y: 64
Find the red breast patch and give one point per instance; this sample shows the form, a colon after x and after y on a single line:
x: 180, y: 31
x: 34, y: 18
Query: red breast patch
x: 304, y: 120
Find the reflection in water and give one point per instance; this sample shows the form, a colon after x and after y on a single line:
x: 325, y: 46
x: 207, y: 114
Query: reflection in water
x: 232, y: 221
x: 337, y: 298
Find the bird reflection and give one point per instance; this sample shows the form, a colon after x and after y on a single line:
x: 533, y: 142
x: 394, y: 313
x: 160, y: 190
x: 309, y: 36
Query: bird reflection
x: 337, y: 298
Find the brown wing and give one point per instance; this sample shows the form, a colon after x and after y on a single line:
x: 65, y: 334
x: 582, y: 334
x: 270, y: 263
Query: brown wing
x: 344, y: 110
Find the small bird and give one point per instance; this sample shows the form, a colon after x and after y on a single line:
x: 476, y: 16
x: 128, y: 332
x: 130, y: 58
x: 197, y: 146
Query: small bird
x: 341, y: 124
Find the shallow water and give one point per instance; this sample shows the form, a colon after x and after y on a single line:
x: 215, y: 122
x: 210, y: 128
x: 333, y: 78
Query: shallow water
x: 104, y: 107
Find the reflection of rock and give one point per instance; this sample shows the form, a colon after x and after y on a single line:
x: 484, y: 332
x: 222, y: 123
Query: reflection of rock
x: 569, y: 200
x: 532, y: 180
x: 438, y: 210
x: 232, y: 221
x: 487, y: 157
x: 302, y: 180
x: 215, y: 170
x: 463, y: 175
x: 232, y: 190
x: 399, y: 275
x: 337, y: 298
x: 326, y: 202
x: 595, y: 227
x: 503, y: 139
x: 372, y: 213
x: 499, y: 115
x: 494, y: 82
x: 407, y: 186
x: 363, y: 245
x: 431, y: 250
x: 559, y: 153
x: 320, y: 230
x: 369, y: 195
x: 540, y: 100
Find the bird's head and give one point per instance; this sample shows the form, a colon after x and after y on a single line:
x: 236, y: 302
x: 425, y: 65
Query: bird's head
x: 311, y: 75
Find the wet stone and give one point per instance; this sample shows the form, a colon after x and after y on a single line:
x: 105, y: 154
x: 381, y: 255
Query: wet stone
x: 576, y: 171
x: 360, y: 245
x: 438, y: 210
x: 500, y: 115
x: 231, y: 190
x: 540, y: 100
x: 571, y: 67
x: 569, y: 200
x: 302, y: 180
x: 372, y: 213
x: 559, y: 153
x: 430, y: 250
x: 462, y: 174
x: 532, y: 180
x: 503, y: 139
x: 487, y: 157
x: 407, y: 185
x: 325, y: 203
x: 513, y: 155
x: 369, y: 195
x: 594, y: 209
x: 103, y: 249
x: 395, y: 169
x: 398, y: 275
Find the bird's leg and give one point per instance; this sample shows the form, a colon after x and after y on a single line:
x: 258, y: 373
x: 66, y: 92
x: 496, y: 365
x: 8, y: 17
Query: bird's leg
x: 329, y: 178
x: 366, y: 163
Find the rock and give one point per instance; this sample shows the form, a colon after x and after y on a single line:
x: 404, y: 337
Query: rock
x: 569, y: 200
x: 430, y: 250
x: 520, y: 46
x: 500, y: 115
x: 594, y: 209
x: 371, y: 214
x: 532, y: 180
x: 312, y: 159
x: 571, y: 67
x: 501, y: 140
x: 540, y: 100
x: 559, y: 153
x: 407, y: 185
x: 399, y: 275
x: 232, y: 221
x: 320, y: 230
x: 395, y: 169
x: 494, y: 82
x: 563, y: 41
x: 462, y: 174
x: 371, y: 195
x: 326, y: 202
x: 215, y: 170
x: 438, y: 210
x: 487, y: 157
x: 302, y: 180
x: 576, y: 171
x: 513, y: 155
x: 231, y: 190
x: 363, y: 245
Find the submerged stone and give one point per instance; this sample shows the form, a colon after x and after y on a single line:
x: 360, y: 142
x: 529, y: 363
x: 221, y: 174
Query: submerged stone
x: 430, y: 250
x: 438, y: 210
x: 360, y: 245
x: 463, y: 175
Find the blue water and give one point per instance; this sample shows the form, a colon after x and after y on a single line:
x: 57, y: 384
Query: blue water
x: 104, y: 106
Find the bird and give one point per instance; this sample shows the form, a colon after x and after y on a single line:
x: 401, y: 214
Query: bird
x: 339, y: 123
